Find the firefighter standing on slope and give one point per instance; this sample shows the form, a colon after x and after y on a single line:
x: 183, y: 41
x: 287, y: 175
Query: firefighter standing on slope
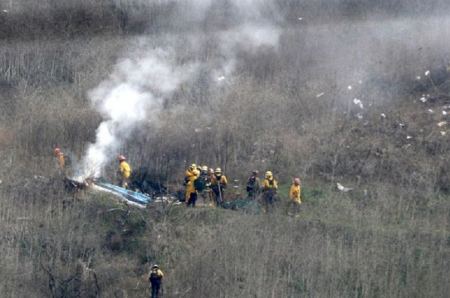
x: 295, y: 194
x: 218, y: 184
x: 60, y: 158
x: 155, y: 278
x: 124, y: 172
x: 192, y: 173
x: 269, y: 189
x: 203, y: 185
x: 253, y: 185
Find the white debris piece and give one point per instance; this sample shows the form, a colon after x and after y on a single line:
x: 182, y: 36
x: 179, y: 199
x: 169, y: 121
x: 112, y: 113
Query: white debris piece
x: 401, y: 124
x: 430, y: 111
x: 359, y: 116
x: 300, y: 19
x: 221, y: 78
x: 423, y: 99
x: 5, y: 10
x: 442, y: 123
x: 320, y: 94
x: 408, y: 137
x: 349, y: 87
x: 427, y: 73
x: 358, y: 102
x: 343, y: 188
x: 197, y: 130
x: 443, y: 133
x: 383, y: 115
x: 445, y: 113
x: 418, y: 78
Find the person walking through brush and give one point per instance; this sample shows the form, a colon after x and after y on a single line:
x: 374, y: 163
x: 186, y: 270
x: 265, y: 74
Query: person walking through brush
x: 269, y: 189
x: 218, y: 184
x: 155, y: 278
x: 295, y: 194
x: 192, y: 173
x: 253, y: 185
x: 124, y: 172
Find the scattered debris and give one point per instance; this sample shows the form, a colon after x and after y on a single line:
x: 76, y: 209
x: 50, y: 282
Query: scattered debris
x: 408, y: 137
x: 300, y: 19
x: 359, y: 116
x: 418, y: 78
x: 5, y: 11
x: 442, y: 123
x: 430, y: 111
x: 401, y: 124
x: 349, y: 87
x: 358, y: 102
x: 221, y: 78
x: 427, y: 73
x: 343, y: 188
x: 443, y: 133
x: 320, y: 94
x: 445, y: 113
x: 423, y: 99
x: 383, y: 115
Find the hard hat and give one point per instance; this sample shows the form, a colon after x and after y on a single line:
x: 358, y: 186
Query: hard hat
x: 255, y: 172
x: 155, y: 266
x: 269, y: 174
x: 218, y: 171
x: 297, y: 181
x: 121, y: 158
x: 205, y: 168
x: 193, y: 166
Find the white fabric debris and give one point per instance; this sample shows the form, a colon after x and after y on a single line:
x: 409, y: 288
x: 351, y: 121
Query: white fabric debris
x: 358, y: 102
x: 343, y: 188
x: 320, y: 94
x: 423, y: 99
x: 442, y: 123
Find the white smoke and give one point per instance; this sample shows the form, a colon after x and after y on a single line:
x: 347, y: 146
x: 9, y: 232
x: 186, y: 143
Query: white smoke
x: 135, y: 90
x: 133, y: 93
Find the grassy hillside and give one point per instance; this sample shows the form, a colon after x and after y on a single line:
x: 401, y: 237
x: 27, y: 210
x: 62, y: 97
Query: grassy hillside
x: 286, y: 108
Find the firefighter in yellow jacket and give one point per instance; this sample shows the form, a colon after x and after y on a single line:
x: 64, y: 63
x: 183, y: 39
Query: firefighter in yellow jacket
x: 218, y: 184
x: 155, y: 278
x: 269, y: 190
x: 60, y: 158
x: 295, y: 194
x: 192, y: 173
x: 124, y: 172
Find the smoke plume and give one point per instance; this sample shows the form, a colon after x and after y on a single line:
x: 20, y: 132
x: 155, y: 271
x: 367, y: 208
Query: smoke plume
x: 135, y: 90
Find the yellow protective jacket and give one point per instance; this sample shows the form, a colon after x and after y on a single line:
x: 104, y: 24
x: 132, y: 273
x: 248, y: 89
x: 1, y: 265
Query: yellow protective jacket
x: 125, y: 169
x: 61, y: 160
x: 295, y: 193
x: 223, y: 181
x: 190, y: 177
x: 155, y: 274
x: 270, y: 184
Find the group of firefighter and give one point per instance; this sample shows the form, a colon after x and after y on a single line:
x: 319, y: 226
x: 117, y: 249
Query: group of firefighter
x: 210, y: 184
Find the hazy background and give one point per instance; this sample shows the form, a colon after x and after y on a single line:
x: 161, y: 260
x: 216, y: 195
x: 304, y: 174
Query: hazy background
x: 332, y: 91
